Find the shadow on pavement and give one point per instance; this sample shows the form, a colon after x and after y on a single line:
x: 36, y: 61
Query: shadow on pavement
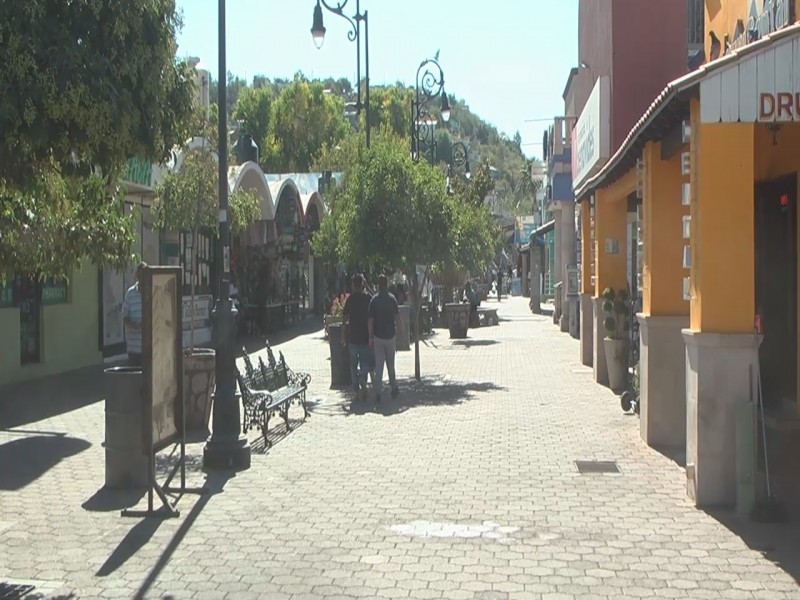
x: 108, y: 500
x: 776, y: 542
x: 428, y: 392
x: 255, y: 343
x: 675, y: 454
x: 32, y: 401
x: 41, y: 453
x: 466, y: 344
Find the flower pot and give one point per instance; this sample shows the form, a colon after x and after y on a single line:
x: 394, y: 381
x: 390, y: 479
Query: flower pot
x: 457, y: 319
x: 616, y: 363
x: 340, y: 357
x: 199, y: 377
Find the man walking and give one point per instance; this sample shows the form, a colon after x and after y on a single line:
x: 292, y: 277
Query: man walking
x: 384, y: 324
x: 132, y: 319
x: 499, y: 283
x: 356, y: 316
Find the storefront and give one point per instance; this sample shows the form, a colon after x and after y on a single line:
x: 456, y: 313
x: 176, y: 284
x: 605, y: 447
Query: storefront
x: 715, y: 158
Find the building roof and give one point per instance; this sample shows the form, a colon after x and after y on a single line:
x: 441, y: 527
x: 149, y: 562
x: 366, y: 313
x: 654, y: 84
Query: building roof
x: 669, y: 108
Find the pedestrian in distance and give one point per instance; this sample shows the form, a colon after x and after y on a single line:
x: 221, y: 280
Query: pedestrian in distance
x: 499, y: 283
x: 132, y: 319
x: 384, y: 325
x: 356, y: 316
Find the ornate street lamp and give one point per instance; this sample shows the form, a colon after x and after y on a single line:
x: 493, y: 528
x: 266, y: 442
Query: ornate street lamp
x: 354, y: 35
x: 226, y: 448
x: 429, y: 85
x: 460, y: 158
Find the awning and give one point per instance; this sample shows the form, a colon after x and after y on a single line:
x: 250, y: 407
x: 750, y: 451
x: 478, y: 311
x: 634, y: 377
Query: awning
x: 672, y: 104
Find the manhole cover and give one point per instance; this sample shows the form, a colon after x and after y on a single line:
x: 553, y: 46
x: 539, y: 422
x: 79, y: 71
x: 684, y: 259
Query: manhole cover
x: 15, y: 591
x: 596, y: 466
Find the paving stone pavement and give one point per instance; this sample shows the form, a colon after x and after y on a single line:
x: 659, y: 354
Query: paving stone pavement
x: 463, y: 487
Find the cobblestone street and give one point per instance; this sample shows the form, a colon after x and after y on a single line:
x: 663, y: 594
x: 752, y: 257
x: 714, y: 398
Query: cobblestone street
x: 463, y: 487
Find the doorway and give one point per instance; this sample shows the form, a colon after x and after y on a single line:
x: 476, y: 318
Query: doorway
x: 776, y: 287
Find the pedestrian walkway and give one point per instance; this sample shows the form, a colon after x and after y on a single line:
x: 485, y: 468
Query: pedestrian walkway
x: 465, y: 486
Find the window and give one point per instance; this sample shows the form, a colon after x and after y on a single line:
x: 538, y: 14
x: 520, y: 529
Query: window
x: 696, y: 24
x: 204, y: 246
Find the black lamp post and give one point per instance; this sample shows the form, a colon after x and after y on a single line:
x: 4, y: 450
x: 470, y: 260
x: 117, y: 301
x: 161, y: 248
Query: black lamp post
x: 429, y: 85
x: 459, y: 157
x: 354, y: 35
x: 226, y: 448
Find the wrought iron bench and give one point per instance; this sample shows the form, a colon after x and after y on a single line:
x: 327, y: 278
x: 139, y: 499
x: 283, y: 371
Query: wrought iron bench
x: 269, y: 391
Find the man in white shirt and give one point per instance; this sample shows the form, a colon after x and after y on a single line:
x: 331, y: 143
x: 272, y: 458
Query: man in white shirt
x: 132, y: 318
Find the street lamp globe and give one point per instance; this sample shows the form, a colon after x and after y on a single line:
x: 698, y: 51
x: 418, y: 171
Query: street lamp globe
x: 318, y: 28
x: 445, y: 107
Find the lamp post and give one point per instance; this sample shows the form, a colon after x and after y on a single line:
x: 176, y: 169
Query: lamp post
x: 429, y: 85
x: 226, y: 448
x: 459, y: 157
x: 354, y: 35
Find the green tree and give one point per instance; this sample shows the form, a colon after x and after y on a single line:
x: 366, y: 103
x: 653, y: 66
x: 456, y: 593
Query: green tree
x: 188, y: 199
x: 253, y: 108
x: 71, y: 118
x: 304, y: 118
x: 390, y: 108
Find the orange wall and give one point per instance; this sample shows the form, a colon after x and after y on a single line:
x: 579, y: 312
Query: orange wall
x: 611, y: 221
x: 663, y: 270
x: 721, y: 17
x: 723, y: 175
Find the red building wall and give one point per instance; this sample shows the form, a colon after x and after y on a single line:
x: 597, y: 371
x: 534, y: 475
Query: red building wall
x: 641, y: 45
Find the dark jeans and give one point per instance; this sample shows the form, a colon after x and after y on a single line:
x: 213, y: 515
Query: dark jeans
x: 359, y: 365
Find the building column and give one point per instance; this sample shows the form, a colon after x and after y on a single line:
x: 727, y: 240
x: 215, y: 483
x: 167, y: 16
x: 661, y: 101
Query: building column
x: 611, y: 223
x: 536, y: 278
x: 524, y: 275
x: 587, y: 287
x: 665, y: 313
x: 721, y: 345
x: 567, y: 251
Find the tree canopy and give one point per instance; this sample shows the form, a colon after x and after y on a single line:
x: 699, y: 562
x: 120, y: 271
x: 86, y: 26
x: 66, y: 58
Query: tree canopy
x: 88, y: 85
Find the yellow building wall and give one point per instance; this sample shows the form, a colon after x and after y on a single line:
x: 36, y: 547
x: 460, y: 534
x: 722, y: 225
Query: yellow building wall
x: 722, y: 15
x: 70, y: 333
x: 611, y: 223
x: 663, y: 272
x: 722, y: 228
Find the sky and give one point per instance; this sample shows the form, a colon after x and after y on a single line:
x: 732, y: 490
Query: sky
x: 507, y: 59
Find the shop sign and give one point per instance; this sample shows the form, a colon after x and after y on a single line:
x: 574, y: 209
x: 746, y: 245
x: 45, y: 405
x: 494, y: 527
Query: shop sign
x: 55, y: 291
x: 591, y: 143
x: 773, y: 15
x: 198, y: 312
x: 781, y: 106
x: 139, y: 171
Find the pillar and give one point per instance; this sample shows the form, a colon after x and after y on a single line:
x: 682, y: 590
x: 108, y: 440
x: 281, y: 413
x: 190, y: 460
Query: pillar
x: 526, y: 258
x: 721, y: 347
x: 587, y: 286
x: 536, y: 278
x: 611, y: 222
x: 567, y: 250
x: 665, y: 313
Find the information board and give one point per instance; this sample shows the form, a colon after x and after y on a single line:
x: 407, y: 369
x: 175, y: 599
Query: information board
x: 162, y: 345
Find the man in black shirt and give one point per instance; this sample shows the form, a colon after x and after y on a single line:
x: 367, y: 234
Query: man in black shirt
x: 356, y: 313
x: 384, y: 323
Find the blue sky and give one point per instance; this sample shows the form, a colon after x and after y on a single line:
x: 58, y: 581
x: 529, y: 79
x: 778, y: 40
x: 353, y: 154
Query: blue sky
x: 508, y: 59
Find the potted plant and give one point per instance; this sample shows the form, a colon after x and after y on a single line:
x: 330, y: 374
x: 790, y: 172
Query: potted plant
x: 187, y: 202
x: 617, y: 327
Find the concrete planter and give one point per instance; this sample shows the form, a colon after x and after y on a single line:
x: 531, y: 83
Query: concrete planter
x: 199, y: 377
x: 340, y: 357
x: 616, y: 363
x: 404, y: 340
x: 126, y: 456
x: 457, y: 319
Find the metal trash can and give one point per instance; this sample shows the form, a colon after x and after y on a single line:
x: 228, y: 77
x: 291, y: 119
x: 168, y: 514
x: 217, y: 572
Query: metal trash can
x: 126, y: 457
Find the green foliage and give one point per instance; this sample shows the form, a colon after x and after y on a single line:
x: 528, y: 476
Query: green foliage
x: 475, y: 189
x: 87, y: 85
x: 188, y: 199
x: 253, y: 109
x: 617, y: 320
x: 57, y: 223
x: 303, y: 119
x: 390, y: 109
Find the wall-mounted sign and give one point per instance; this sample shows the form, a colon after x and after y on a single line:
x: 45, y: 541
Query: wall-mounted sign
x: 55, y: 291
x: 573, y: 280
x: 612, y: 246
x: 591, y: 137
x: 770, y: 17
x: 139, y: 171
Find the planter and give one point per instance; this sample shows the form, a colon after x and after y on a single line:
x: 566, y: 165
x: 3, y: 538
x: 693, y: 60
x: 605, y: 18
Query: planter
x: 340, y: 357
x: 457, y: 319
x: 329, y: 320
x: 404, y: 340
x: 616, y: 363
x: 198, y: 383
x: 126, y: 456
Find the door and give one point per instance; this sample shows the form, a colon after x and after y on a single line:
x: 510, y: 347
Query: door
x: 776, y: 287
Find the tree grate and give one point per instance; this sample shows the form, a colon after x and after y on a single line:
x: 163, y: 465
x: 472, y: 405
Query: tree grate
x: 15, y: 591
x: 590, y: 467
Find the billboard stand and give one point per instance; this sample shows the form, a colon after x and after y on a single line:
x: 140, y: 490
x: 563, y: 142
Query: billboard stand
x: 163, y: 410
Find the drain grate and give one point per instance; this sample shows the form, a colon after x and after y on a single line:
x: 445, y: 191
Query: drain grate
x: 15, y: 591
x: 589, y: 467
